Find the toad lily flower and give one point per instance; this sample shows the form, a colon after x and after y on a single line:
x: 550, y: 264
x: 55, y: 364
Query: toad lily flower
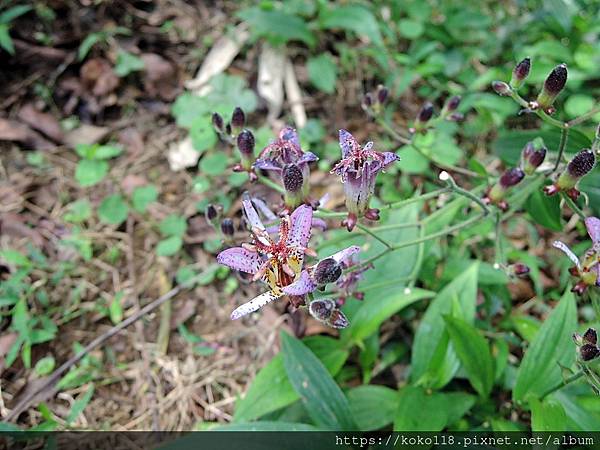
x: 328, y: 270
x: 286, y: 157
x: 358, y: 169
x: 277, y: 263
x: 588, y: 269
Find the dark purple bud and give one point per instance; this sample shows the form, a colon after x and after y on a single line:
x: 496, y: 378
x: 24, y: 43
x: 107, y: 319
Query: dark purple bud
x: 589, y: 352
x: 590, y: 336
x: 292, y: 178
x: 327, y: 271
x: 520, y: 72
x: 511, y: 177
x: 368, y: 99
x: 338, y: 319
x: 456, y: 117
x: 245, y: 142
x: 501, y: 88
x: 426, y: 113
x: 553, y: 85
x: 532, y: 157
x: 321, y: 309
x: 211, y: 213
x: 453, y: 103
x: 520, y: 269
x: 217, y: 122
x: 238, y: 118
x: 582, y: 163
x: 227, y: 227
x: 382, y: 94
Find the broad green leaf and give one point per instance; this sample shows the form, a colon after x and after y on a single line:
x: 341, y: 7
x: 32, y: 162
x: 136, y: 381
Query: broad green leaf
x: 324, y: 401
x: 551, y: 349
x: 213, y: 164
x: 372, y: 314
x: 169, y: 246
x: 128, y: 63
x: 6, y: 41
x: 142, y: 196
x: 590, y: 184
x: 545, y: 210
x: 373, y: 407
x: 547, y: 415
x: 463, y: 290
x: 322, y: 72
x: 45, y: 365
x: 419, y: 411
x: 113, y: 209
x: 78, y: 211
x: 266, y: 426
x: 578, y: 104
x: 203, y: 136
x: 173, y: 225
x: 10, y: 14
x: 354, y: 18
x: 474, y: 354
x: 15, y: 258
x: 271, y: 389
x: 115, y: 308
x: 80, y: 404
x: 97, y: 151
x: 526, y: 326
x: 579, y: 418
x: 410, y: 29
x: 278, y: 27
x: 89, y: 172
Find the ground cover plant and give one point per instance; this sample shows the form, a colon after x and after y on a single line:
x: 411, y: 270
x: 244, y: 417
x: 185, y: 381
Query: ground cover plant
x: 300, y: 215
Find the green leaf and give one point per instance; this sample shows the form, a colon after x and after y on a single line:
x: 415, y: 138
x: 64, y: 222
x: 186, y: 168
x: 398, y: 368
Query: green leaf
x: 418, y: 411
x: 373, y: 407
x: 410, y: 29
x: 203, y: 135
x: 325, y: 403
x: 213, y: 164
x: 173, y: 225
x: 578, y: 104
x: 169, y: 246
x: 551, y: 349
x: 127, y: 63
x: 115, y: 309
x: 97, y: 151
x: 371, y: 314
x: 80, y: 404
x: 6, y: 41
x: 430, y: 333
x: 11, y: 14
x: 278, y: 27
x: 579, y: 417
x: 474, y: 354
x: 89, y: 172
x: 15, y: 258
x: 113, y: 210
x: 272, y: 390
x: 264, y: 426
x: 545, y: 210
x: 322, y: 72
x: 547, y: 415
x: 142, y: 196
x: 78, y: 211
x: 45, y: 365
x: 9, y: 427
x: 189, y: 107
x: 590, y: 184
x: 354, y: 18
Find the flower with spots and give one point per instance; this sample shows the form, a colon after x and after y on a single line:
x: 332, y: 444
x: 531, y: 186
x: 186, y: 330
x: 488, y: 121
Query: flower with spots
x: 358, y: 169
x: 587, y: 270
x: 286, y: 157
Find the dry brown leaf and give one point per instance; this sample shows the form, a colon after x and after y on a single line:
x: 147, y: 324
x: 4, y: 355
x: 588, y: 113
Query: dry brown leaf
x: 44, y: 122
x: 98, y: 77
x: 86, y: 134
x: 11, y: 130
x: 159, y: 76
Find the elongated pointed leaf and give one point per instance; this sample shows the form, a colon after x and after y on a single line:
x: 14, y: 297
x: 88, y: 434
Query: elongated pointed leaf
x: 324, y: 401
x: 551, y: 348
x: 373, y: 407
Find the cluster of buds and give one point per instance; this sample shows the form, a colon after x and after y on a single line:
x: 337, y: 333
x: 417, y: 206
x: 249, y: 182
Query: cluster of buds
x: 587, y: 345
x: 586, y: 270
x: 224, y: 226
x: 373, y: 102
x: 234, y: 133
x: 581, y: 164
x: 497, y: 193
x: 423, y: 121
x: 518, y: 77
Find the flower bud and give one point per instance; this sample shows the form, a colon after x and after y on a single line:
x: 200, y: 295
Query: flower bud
x: 227, y: 227
x: 245, y: 143
x: 452, y: 104
x: 520, y: 73
x: 590, y: 336
x: 532, y: 157
x: 382, y: 94
x: 588, y: 352
x: 325, y: 310
x: 582, y: 163
x: 426, y: 113
x: 292, y: 178
x: 519, y: 270
x: 327, y: 271
x: 238, y: 119
x: 217, y: 122
x: 553, y: 85
x: 501, y: 88
x: 511, y: 177
x: 211, y: 213
x: 368, y: 100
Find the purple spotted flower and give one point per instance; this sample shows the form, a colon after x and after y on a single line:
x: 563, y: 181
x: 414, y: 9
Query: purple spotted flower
x: 286, y: 157
x: 348, y: 282
x: 358, y: 169
x: 587, y: 270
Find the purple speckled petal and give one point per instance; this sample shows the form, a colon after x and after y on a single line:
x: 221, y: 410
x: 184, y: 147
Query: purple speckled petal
x: 593, y: 228
x: 301, y: 220
x: 267, y: 164
x: 251, y: 213
x: 323, y: 200
x: 307, y: 157
x: 567, y: 251
x: 319, y: 223
x: 264, y: 209
x: 389, y: 158
x: 345, y: 254
x: 303, y: 285
x: 254, y: 304
x: 239, y: 258
x: 347, y: 142
x: 289, y: 134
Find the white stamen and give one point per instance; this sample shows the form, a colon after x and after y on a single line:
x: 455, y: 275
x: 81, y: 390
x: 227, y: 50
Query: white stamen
x: 444, y: 176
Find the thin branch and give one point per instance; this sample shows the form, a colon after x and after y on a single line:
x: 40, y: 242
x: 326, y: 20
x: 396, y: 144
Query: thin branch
x: 564, y: 135
x: 576, y: 376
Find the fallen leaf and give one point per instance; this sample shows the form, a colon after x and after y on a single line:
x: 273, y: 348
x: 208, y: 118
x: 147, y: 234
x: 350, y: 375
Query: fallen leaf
x: 294, y: 95
x: 44, y: 122
x: 98, y: 77
x: 132, y: 140
x: 271, y: 66
x: 159, y: 76
x: 85, y: 134
x: 11, y: 130
x: 182, y: 155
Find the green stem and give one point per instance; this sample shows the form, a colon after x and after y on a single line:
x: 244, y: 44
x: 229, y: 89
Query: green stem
x: 392, y: 132
x: 460, y: 191
x: 270, y: 183
x: 419, y: 261
x: 370, y: 233
x: 584, y: 117
x: 564, y: 134
x: 498, y: 243
x: 576, y: 376
x: 540, y: 113
x: 569, y: 201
